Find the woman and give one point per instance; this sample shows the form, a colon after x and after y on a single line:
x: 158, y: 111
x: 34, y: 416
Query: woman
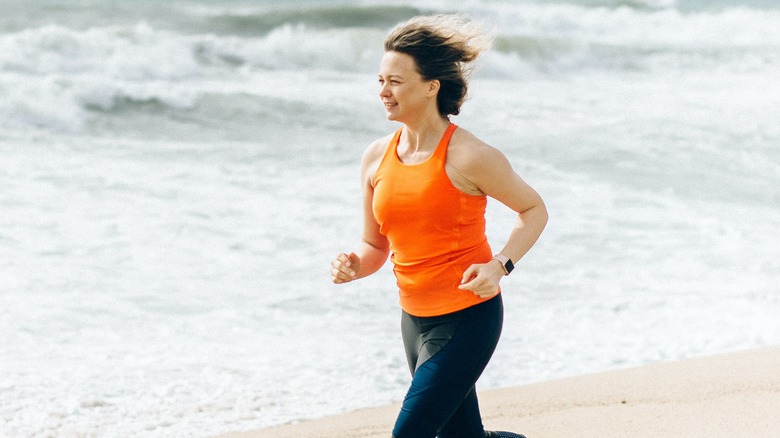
x: 425, y: 191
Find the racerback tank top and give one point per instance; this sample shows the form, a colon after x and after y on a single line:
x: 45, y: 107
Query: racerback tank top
x: 435, y: 230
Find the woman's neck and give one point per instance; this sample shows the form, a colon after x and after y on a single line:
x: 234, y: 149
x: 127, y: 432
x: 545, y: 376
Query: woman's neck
x: 424, y: 135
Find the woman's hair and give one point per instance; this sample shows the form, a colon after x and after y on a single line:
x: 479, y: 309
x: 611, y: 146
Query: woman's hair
x: 444, y: 48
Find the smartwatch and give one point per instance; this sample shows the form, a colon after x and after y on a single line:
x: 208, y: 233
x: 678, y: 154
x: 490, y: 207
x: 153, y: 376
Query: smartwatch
x: 506, y: 263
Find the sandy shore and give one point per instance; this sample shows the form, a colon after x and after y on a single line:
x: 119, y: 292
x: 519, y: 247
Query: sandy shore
x: 731, y: 395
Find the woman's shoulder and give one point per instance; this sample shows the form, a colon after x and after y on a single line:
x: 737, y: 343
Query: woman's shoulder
x: 467, y: 150
x: 475, y: 166
x: 377, y: 147
x: 373, y: 155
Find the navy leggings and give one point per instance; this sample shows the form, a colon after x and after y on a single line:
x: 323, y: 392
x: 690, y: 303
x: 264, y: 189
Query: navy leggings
x: 446, y: 356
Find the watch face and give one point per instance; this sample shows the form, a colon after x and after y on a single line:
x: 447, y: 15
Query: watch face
x: 509, y: 266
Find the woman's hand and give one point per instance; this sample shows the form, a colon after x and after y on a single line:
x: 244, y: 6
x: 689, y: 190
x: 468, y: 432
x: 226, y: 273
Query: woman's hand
x: 345, y: 268
x: 483, y: 278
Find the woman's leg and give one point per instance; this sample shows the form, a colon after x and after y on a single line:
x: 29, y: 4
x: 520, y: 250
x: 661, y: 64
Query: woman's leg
x: 442, y: 398
x: 466, y: 421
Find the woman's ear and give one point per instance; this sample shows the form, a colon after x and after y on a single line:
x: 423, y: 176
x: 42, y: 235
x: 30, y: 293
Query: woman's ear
x: 433, y: 87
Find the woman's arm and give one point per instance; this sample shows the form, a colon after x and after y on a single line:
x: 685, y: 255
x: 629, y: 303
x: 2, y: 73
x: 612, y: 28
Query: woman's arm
x: 488, y: 171
x: 374, y: 248
x: 498, y: 180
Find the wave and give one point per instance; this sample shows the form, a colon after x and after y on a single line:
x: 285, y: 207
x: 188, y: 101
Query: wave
x: 140, y: 52
x: 261, y: 22
x: 546, y: 35
x: 339, y: 38
x: 566, y: 39
x: 350, y: 39
x: 114, y: 67
x: 633, y: 4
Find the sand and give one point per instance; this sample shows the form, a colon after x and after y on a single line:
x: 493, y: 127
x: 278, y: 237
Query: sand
x: 728, y: 395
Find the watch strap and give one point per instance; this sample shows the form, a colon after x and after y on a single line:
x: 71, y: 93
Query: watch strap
x: 506, y: 263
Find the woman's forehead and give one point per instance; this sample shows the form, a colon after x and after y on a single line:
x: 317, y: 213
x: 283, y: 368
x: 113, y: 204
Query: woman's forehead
x: 396, y: 63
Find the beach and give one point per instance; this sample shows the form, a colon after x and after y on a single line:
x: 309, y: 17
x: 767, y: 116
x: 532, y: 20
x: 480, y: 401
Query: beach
x: 177, y: 177
x: 727, y: 395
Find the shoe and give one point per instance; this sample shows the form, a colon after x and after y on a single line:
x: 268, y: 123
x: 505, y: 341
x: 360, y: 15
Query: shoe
x: 491, y: 434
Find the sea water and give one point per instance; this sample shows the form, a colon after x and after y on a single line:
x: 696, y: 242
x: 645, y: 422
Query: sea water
x: 175, y: 178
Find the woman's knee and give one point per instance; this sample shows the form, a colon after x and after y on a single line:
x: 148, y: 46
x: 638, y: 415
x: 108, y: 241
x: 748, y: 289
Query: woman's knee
x: 413, y: 425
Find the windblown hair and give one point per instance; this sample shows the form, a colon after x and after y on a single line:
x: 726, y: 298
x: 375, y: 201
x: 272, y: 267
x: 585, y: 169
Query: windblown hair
x: 444, y: 47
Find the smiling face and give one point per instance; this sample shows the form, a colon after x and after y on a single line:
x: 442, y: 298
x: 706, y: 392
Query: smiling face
x: 403, y: 91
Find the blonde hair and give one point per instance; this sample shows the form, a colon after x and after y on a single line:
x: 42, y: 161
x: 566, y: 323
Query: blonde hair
x: 444, y: 48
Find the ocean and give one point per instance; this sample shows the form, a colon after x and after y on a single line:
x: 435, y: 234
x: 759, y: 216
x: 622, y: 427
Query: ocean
x: 175, y: 178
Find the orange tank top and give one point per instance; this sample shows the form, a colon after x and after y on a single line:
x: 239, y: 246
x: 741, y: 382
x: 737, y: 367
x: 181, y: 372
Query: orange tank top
x: 435, y: 230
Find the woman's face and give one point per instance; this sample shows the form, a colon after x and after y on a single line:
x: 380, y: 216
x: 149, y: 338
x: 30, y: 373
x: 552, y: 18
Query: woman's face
x: 403, y: 91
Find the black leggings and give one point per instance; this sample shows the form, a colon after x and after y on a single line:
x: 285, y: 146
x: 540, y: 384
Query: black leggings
x: 446, y: 356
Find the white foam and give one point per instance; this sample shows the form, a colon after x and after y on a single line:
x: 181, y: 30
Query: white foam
x: 53, y: 75
x: 152, y: 283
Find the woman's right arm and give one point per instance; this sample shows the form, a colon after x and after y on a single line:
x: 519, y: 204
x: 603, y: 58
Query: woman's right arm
x: 374, y: 248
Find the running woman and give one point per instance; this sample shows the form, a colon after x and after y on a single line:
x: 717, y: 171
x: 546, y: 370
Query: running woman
x: 425, y: 190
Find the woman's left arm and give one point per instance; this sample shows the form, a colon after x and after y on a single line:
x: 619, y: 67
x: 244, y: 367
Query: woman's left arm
x: 490, y: 172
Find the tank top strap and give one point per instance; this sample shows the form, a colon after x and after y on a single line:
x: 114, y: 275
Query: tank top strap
x: 441, y: 148
x: 393, y: 146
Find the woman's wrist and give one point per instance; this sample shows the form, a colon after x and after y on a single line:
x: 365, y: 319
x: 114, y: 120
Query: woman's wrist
x: 505, y: 262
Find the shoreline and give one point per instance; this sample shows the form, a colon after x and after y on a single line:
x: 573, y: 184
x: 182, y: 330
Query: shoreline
x: 726, y: 395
